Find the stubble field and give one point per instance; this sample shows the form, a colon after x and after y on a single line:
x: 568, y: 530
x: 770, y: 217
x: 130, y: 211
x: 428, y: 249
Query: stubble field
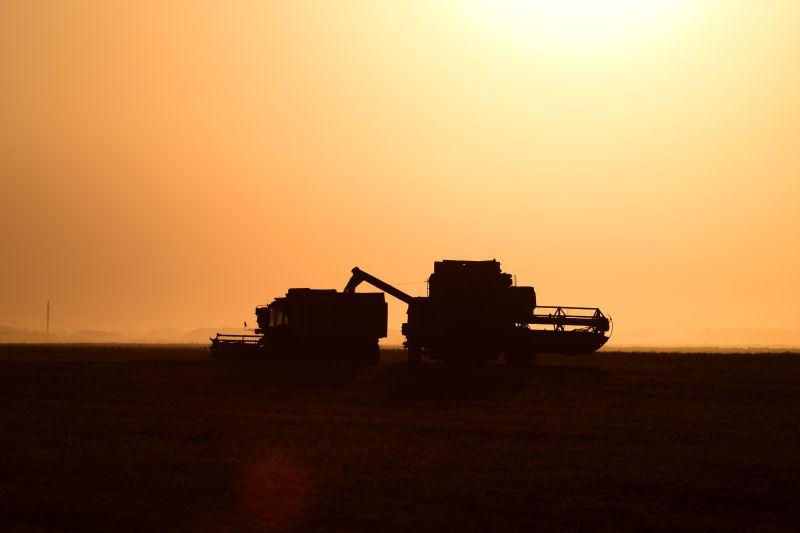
x: 163, y: 439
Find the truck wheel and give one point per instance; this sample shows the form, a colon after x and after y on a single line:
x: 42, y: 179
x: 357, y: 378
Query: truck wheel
x: 519, y: 358
x: 367, y: 355
x: 373, y: 355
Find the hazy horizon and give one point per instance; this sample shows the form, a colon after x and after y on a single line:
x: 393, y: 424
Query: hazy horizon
x: 175, y: 165
x: 709, y: 339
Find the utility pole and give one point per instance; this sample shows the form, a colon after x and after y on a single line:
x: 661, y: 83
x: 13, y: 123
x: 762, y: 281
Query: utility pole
x: 48, y: 317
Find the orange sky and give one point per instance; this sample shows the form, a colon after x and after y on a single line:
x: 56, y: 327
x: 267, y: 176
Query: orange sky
x: 174, y: 164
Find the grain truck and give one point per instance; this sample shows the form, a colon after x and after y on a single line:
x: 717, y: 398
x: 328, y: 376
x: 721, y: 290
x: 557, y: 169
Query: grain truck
x: 312, y: 324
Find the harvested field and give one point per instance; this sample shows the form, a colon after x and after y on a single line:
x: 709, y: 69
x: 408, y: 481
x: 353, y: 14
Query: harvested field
x: 164, y: 439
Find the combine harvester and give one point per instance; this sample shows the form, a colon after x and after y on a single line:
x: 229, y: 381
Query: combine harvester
x: 473, y: 312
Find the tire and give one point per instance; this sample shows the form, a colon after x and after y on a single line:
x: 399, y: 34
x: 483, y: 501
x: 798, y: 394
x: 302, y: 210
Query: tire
x: 368, y: 355
x: 373, y: 355
x: 519, y: 359
x: 414, y: 356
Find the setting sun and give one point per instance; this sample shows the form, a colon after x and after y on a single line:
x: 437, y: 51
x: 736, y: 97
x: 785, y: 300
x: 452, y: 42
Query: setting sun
x: 577, y: 26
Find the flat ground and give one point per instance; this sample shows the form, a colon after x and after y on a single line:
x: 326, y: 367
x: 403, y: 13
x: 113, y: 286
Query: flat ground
x: 163, y: 439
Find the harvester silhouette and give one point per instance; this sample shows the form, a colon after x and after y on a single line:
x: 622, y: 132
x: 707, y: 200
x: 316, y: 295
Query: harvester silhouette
x: 473, y: 312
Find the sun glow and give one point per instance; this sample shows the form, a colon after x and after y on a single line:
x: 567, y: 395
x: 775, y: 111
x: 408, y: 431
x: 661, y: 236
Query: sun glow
x: 577, y: 26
